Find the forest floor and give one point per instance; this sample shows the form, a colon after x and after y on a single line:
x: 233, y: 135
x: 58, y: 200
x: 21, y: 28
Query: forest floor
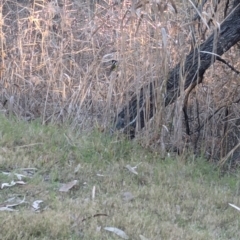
x: 58, y: 184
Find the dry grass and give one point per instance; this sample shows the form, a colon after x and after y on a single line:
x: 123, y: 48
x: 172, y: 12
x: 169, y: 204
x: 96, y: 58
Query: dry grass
x: 183, y: 198
x: 56, y: 56
x: 54, y: 69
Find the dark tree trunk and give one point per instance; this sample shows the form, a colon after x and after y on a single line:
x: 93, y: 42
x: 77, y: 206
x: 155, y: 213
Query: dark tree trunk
x: 201, y: 58
x: 196, y: 63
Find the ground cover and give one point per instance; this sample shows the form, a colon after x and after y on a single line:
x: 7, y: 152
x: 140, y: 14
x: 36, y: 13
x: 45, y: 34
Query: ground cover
x: 170, y: 198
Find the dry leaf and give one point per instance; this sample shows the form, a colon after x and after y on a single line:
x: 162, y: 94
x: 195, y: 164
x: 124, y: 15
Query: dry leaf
x: 36, y: 205
x: 93, y: 192
x: 132, y: 169
x: 19, y: 176
x: 234, y: 206
x: 142, y: 237
x: 117, y: 231
x: 13, y: 183
x: 66, y: 187
x: 8, y: 207
x: 100, y: 175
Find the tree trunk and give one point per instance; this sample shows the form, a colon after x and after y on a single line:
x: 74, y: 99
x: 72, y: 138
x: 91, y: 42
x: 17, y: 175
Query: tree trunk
x: 201, y: 58
x: 196, y: 63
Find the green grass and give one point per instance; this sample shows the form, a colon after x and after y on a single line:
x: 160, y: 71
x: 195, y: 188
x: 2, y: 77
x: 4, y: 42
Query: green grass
x: 174, y: 198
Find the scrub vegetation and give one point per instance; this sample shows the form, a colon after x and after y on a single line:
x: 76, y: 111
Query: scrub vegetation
x: 171, y: 198
x: 68, y: 69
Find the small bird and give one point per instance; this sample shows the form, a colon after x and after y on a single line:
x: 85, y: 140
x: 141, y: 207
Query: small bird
x: 114, y: 66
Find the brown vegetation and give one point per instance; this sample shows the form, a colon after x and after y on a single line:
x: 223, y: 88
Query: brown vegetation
x: 56, y: 57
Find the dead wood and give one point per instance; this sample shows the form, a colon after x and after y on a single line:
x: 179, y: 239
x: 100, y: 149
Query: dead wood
x: 141, y: 106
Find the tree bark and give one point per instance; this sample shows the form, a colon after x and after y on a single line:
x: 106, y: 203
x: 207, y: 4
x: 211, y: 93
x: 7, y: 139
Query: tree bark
x: 193, y: 69
x: 201, y: 58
